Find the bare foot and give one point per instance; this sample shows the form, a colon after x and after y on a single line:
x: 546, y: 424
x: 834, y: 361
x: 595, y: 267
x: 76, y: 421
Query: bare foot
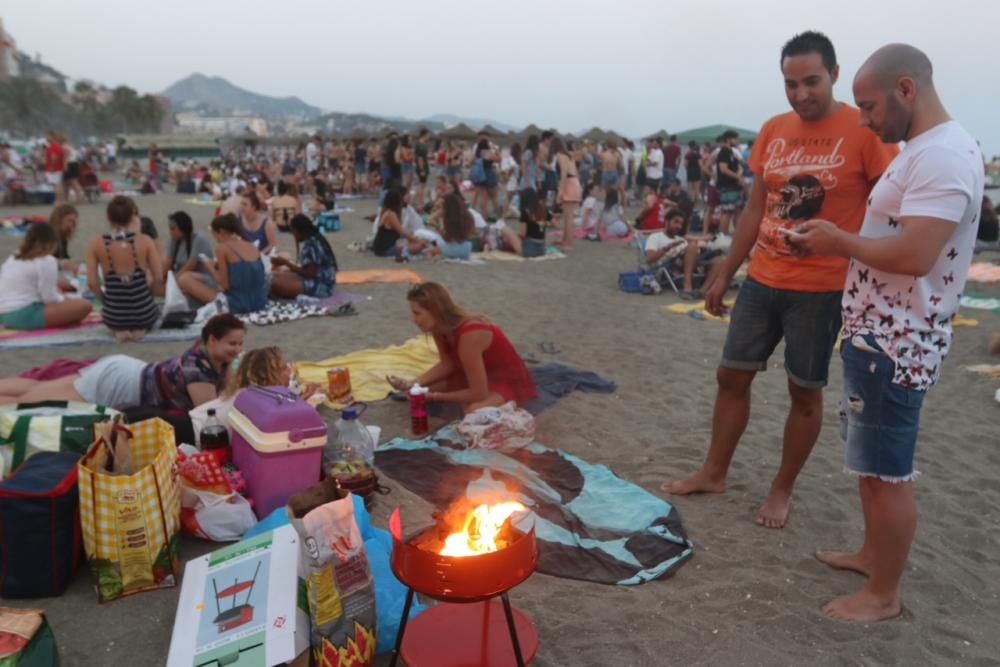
x: 863, y: 607
x: 699, y: 482
x: 843, y: 560
x: 774, y: 512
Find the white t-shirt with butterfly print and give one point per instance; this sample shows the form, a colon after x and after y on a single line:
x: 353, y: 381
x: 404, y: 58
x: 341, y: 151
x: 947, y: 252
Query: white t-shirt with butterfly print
x: 938, y: 174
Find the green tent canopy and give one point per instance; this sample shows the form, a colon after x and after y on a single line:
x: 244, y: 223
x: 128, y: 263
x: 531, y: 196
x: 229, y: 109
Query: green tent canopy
x: 712, y: 132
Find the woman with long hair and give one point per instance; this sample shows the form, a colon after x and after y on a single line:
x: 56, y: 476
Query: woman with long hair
x: 119, y: 381
x: 390, y: 231
x: 529, y: 164
x: 30, y: 297
x: 236, y: 270
x: 457, y: 228
x: 315, y: 274
x: 570, y: 193
x: 486, y: 188
x: 404, y: 156
x: 258, y: 229
x: 131, y: 266
x: 477, y: 366
x: 186, y: 247
x: 287, y: 204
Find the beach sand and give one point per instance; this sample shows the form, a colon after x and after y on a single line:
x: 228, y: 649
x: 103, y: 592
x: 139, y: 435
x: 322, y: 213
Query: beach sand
x: 750, y: 596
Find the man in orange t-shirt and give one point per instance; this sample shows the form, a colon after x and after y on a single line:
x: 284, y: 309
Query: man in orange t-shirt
x: 813, y: 162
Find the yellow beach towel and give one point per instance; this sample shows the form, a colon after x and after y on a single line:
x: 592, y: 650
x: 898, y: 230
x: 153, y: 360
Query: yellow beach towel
x: 697, y: 310
x: 369, y: 368
x: 370, y: 276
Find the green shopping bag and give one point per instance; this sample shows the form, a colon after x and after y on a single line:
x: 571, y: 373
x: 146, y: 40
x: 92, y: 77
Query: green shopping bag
x: 49, y: 426
x: 26, y: 640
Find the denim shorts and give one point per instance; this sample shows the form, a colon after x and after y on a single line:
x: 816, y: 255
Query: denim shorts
x: 808, y: 321
x: 879, y: 419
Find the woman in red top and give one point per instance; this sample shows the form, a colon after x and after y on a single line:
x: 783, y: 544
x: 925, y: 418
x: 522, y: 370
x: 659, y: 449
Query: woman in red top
x: 478, y: 367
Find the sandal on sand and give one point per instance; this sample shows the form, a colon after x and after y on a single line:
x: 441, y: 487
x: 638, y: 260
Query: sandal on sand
x: 343, y: 310
x: 693, y: 295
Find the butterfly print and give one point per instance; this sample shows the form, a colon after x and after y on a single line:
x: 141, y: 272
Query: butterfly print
x: 935, y: 300
x: 925, y: 336
x: 948, y: 279
x: 893, y: 222
x: 932, y: 371
x: 878, y: 286
x: 886, y: 321
x: 930, y: 320
x: 854, y: 290
x: 952, y: 254
x: 940, y: 344
x: 863, y: 276
x: 869, y: 202
x: 903, y: 350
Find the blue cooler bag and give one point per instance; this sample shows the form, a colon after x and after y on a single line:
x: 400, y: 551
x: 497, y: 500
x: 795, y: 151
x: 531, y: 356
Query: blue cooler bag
x: 40, y: 541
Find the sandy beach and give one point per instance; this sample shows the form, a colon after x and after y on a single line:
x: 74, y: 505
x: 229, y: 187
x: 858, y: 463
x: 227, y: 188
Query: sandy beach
x: 750, y: 596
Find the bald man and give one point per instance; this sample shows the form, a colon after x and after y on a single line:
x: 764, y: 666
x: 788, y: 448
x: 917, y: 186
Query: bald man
x: 908, y: 268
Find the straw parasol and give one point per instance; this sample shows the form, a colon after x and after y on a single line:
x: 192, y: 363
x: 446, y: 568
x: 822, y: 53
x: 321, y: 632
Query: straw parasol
x: 492, y: 131
x: 594, y: 134
x: 460, y: 131
x: 712, y: 132
x: 662, y: 135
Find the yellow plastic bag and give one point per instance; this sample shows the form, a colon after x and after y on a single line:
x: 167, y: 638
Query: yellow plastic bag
x: 131, y: 523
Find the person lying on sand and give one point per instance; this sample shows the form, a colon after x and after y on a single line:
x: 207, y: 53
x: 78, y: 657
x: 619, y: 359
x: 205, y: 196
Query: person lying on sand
x: 181, y: 382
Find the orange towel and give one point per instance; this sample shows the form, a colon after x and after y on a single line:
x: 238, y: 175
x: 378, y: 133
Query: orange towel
x: 371, y: 276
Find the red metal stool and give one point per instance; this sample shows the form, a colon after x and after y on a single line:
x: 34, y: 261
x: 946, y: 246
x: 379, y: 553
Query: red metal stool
x: 469, y: 618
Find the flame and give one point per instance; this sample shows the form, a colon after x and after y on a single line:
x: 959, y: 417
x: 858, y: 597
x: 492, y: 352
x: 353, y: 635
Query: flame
x: 479, y: 533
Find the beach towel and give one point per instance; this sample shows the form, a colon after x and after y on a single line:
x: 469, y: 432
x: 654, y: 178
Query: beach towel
x: 984, y: 272
x: 553, y: 381
x: 981, y: 303
x: 84, y: 335
x: 56, y: 369
x: 591, y: 525
x: 283, y: 311
x: 501, y: 256
x: 986, y: 370
x: 696, y: 310
x: 379, y: 276
x: 203, y: 202
x: 369, y: 368
x: 961, y: 321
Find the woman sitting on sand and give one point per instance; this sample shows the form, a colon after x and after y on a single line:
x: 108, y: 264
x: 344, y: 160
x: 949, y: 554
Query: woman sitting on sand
x: 390, y: 229
x: 258, y: 229
x: 237, y: 271
x: 316, y: 272
x: 286, y: 205
x: 610, y: 220
x: 119, y: 381
x: 30, y: 298
x: 457, y: 229
x: 478, y: 366
x: 186, y: 245
x: 132, y: 273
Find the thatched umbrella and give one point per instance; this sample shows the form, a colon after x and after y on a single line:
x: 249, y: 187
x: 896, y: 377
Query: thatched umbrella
x: 492, y: 131
x: 662, y: 135
x: 461, y: 131
x: 358, y: 134
x: 594, y: 134
x: 712, y: 132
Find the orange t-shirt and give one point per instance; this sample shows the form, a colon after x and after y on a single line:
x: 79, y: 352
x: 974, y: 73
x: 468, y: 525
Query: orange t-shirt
x: 812, y: 169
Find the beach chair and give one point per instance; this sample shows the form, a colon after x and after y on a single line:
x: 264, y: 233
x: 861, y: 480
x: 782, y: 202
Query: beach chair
x: 661, y: 272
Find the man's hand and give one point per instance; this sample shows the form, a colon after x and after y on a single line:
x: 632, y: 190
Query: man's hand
x: 814, y: 237
x: 714, y: 296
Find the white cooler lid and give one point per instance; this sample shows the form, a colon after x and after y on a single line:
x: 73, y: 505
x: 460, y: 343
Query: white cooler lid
x: 280, y: 441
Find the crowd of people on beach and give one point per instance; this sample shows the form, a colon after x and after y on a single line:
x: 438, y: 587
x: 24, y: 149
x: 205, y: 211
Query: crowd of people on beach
x: 848, y: 238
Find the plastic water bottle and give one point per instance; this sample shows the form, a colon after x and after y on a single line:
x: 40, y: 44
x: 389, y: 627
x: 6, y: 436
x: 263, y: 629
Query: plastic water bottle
x: 418, y: 409
x: 354, y: 442
x: 305, y: 300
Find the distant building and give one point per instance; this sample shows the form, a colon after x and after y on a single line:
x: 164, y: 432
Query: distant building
x: 191, y: 122
x: 8, y: 55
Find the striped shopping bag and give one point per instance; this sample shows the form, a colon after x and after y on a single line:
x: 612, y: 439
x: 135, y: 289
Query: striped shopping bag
x: 131, y: 523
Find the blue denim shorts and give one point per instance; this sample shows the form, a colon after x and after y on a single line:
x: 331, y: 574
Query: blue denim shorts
x: 879, y: 419
x: 808, y: 321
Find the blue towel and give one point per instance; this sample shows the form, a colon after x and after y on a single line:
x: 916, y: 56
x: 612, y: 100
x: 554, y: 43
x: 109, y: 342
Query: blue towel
x: 553, y: 381
x: 590, y: 524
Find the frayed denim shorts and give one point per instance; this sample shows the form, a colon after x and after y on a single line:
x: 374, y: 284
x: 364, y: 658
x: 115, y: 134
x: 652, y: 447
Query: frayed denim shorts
x: 879, y: 419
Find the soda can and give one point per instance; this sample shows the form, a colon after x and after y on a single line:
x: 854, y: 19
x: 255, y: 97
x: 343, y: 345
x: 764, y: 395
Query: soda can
x: 339, y: 385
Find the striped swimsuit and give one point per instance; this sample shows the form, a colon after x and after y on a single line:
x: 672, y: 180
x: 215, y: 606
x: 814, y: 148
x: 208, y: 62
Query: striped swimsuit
x: 128, y: 300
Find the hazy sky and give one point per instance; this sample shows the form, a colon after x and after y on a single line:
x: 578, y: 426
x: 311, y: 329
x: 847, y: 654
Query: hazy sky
x: 631, y: 65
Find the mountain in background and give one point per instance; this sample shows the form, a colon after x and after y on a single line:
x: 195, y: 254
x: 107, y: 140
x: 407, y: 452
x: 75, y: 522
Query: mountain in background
x: 449, y: 120
x: 215, y: 95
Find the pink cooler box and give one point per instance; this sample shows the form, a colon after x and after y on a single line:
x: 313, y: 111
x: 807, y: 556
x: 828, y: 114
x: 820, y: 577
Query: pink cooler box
x: 277, y: 443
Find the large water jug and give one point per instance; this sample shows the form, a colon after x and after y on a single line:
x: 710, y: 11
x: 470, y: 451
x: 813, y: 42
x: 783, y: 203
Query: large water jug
x: 354, y: 442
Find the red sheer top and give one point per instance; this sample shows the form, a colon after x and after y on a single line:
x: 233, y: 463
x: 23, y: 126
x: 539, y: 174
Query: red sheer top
x: 506, y: 373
